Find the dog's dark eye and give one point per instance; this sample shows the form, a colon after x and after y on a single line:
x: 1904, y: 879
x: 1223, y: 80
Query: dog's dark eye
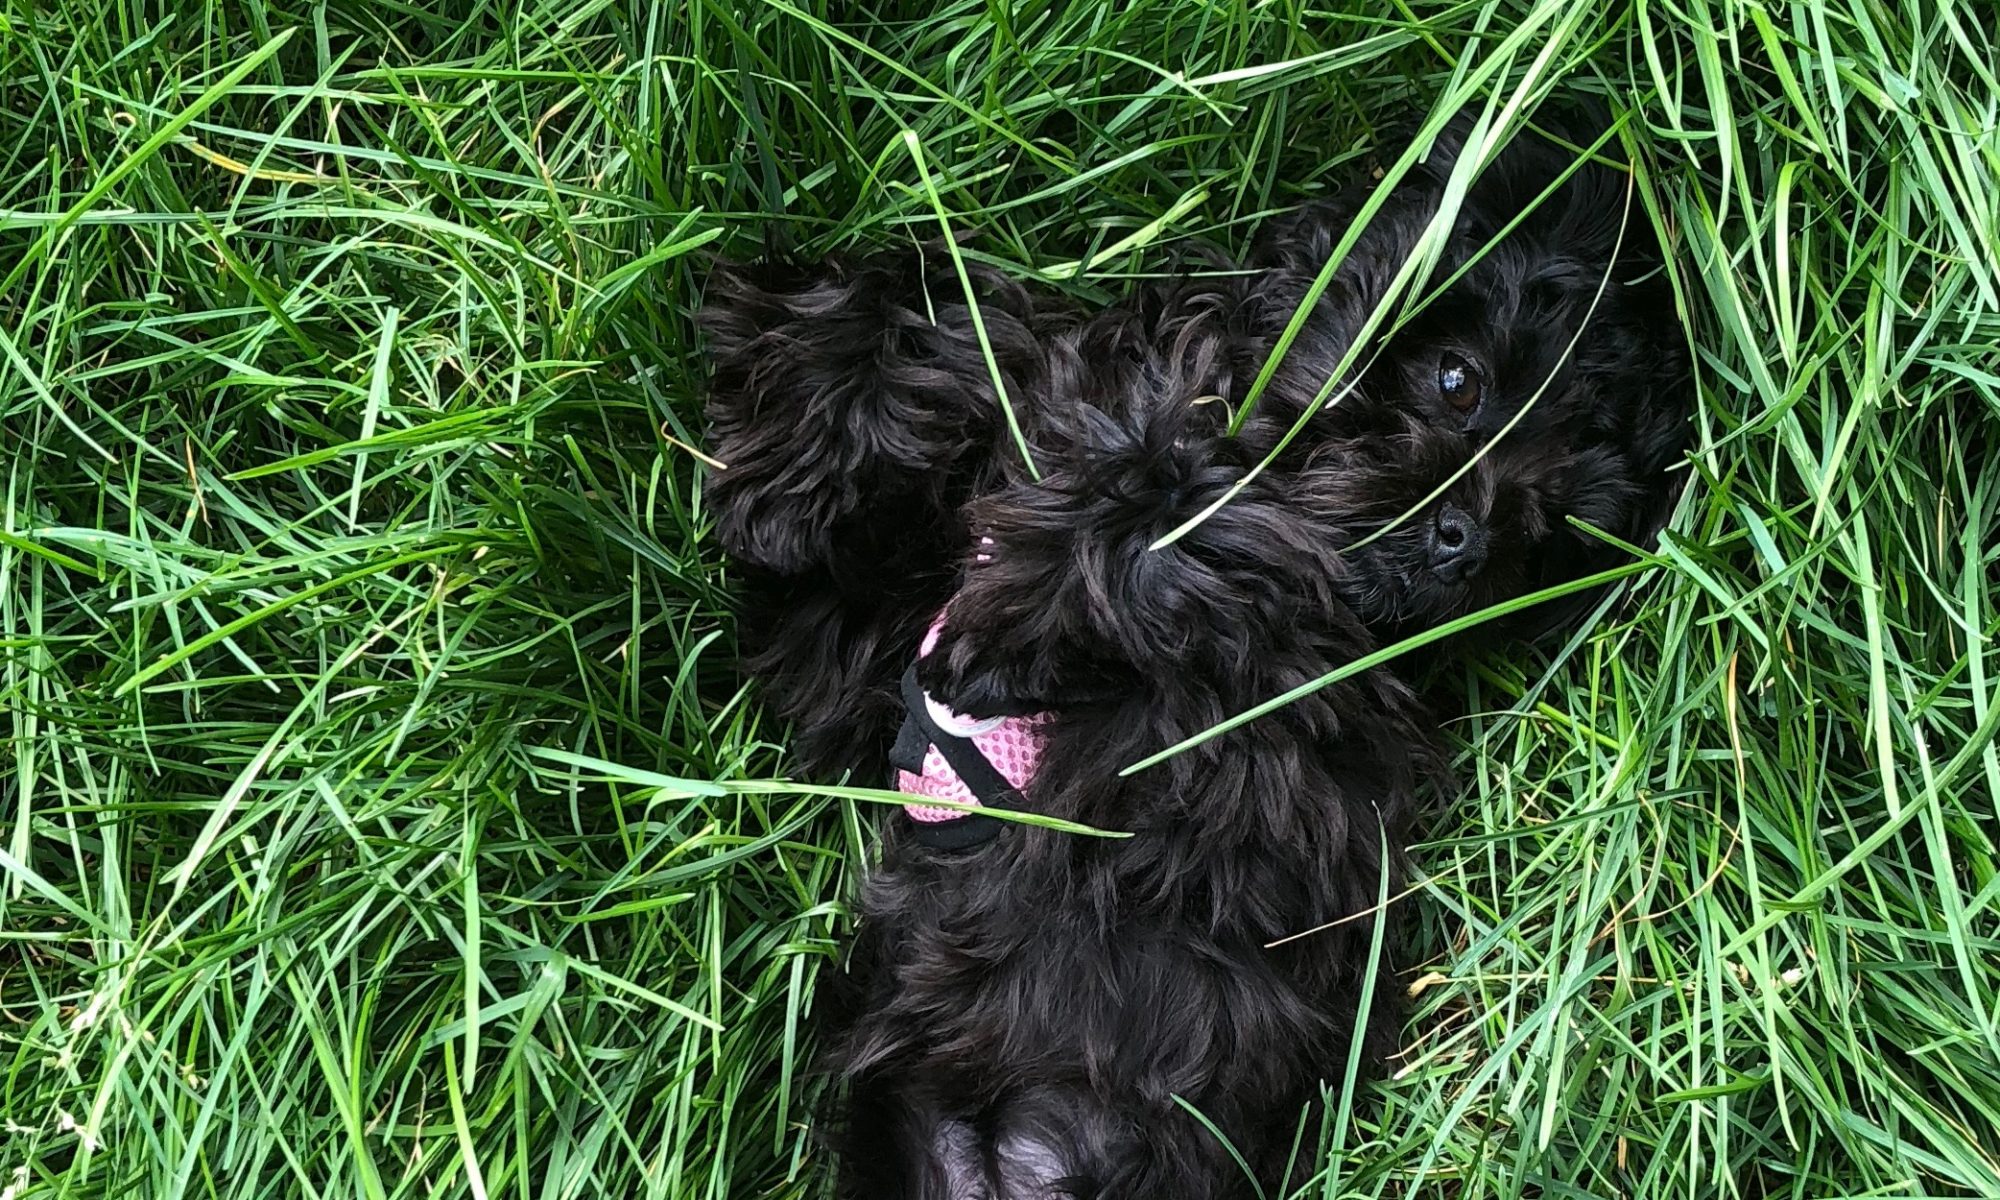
x: 1458, y: 383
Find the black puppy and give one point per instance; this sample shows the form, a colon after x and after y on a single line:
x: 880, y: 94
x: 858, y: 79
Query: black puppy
x: 1042, y: 1014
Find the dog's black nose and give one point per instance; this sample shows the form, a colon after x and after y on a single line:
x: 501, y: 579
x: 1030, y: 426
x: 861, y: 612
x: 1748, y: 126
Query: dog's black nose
x: 1457, y: 544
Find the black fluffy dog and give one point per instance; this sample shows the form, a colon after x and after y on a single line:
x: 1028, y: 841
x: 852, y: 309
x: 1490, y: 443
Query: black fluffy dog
x: 1045, y: 1014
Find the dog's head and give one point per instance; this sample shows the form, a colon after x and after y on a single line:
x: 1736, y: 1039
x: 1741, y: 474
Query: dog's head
x: 1433, y: 525
x: 1543, y: 383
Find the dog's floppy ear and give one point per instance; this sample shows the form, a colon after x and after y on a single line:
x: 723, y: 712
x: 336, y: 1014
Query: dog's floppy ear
x: 850, y: 391
x: 1070, y: 599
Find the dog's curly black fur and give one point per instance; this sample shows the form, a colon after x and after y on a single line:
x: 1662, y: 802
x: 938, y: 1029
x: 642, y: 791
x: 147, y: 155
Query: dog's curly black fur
x: 1042, y: 1016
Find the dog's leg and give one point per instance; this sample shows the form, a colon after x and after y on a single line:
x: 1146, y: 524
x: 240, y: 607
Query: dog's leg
x: 853, y: 411
x: 853, y: 407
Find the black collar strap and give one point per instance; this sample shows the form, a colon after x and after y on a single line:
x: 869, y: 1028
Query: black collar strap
x: 918, y: 733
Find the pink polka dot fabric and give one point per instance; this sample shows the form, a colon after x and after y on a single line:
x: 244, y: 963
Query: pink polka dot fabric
x: 1014, y: 749
x: 1013, y: 745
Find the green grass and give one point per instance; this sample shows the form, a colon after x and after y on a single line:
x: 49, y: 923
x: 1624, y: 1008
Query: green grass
x: 347, y: 382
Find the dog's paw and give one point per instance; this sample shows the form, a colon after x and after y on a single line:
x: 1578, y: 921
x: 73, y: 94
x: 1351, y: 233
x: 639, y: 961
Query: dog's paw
x: 785, y: 533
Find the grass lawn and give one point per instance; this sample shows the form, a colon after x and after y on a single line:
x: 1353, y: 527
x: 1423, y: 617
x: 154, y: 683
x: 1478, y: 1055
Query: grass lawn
x: 349, y: 527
